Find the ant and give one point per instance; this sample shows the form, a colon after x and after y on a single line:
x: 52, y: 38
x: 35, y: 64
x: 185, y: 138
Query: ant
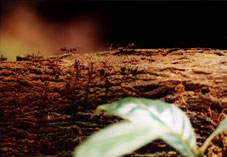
x: 64, y: 49
x: 121, y: 48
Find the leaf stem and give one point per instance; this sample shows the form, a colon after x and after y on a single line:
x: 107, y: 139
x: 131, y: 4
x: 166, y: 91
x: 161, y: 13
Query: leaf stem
x: 221, y: 127
x: 97, y: 111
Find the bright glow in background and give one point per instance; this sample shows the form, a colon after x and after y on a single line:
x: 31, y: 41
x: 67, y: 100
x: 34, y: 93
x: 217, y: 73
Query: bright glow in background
x: 24, y: 31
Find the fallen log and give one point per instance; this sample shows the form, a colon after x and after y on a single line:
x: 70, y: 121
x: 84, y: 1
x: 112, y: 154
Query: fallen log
x: 46, y: 103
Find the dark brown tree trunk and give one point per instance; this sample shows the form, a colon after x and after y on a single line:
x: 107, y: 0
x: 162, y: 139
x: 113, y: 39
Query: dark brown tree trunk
x: 46, y: 103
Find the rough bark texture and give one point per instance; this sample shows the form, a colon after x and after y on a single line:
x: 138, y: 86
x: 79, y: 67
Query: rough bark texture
x: 46, y: 104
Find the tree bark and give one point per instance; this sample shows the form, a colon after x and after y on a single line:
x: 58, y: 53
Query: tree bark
x: 46, y: 103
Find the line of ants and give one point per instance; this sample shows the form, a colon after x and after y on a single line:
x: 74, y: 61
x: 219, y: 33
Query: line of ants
x: 75, y: 49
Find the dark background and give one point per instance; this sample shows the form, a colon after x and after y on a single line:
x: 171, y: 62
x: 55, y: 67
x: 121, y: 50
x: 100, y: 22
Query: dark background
x: 149, y: 24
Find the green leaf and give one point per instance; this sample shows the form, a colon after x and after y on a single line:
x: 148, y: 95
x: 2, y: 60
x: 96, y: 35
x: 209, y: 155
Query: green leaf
x: 118, y: 139
x: 222, y: 127
x: 180, y: 134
